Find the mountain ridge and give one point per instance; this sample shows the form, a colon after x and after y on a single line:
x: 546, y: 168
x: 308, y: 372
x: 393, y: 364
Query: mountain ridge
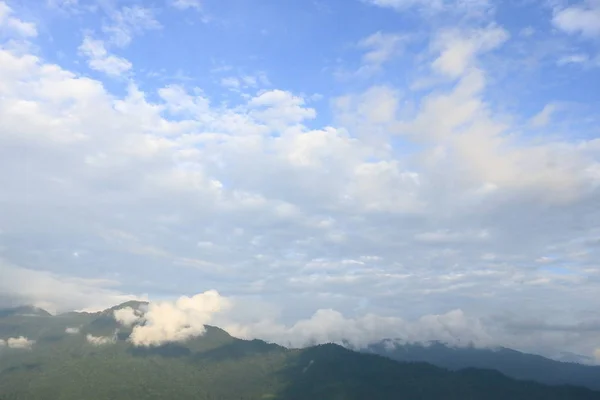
x: 72, y: 365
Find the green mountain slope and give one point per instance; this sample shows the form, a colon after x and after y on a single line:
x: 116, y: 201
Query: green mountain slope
x: 64, y: 366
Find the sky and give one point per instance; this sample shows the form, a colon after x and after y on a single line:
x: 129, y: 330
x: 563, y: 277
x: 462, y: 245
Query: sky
x: 325, y: 170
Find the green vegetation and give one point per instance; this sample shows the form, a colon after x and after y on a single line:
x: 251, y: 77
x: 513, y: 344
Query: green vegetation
x: 63, y: 366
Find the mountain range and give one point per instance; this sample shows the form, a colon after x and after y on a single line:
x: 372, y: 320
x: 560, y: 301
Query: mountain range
x: 512, y: 363
x: 62, y: 357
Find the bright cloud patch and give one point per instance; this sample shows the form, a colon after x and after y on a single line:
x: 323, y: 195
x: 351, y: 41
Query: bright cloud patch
x: 330, y: 326
x: 14, y: 25
x: 100, y: 340
x: 174, y: 322
x: 128, y: 316
x: 100, y: 60
x: 458, y: 49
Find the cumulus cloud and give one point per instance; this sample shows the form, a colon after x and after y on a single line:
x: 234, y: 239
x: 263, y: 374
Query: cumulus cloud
x: 177, y: 321
x: 20, y: 342
x: 72, y: 330
x: 100, y: 340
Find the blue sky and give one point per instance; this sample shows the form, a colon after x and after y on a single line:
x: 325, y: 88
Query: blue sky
x: 390, y: 168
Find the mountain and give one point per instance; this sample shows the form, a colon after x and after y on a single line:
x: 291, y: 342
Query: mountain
x: 65, y: 365
x: 511, y: 363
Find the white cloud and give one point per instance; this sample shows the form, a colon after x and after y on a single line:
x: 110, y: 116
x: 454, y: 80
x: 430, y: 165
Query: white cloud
x: 279, y: 108
x: 462, y: 125
x: 20, y: 342
x: 583, y: 18
x: 100, y: 60
x: 369, y: 115
x: 100, y: 340
x: 231, y: 82
x: 330, y: 326
x: 527, y: 31
x: 458, y: 49
x: 177, y: 321
x: 185, y: 4
x: 72, y: 330
x: 127, y: 22
x: 14, y: 25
